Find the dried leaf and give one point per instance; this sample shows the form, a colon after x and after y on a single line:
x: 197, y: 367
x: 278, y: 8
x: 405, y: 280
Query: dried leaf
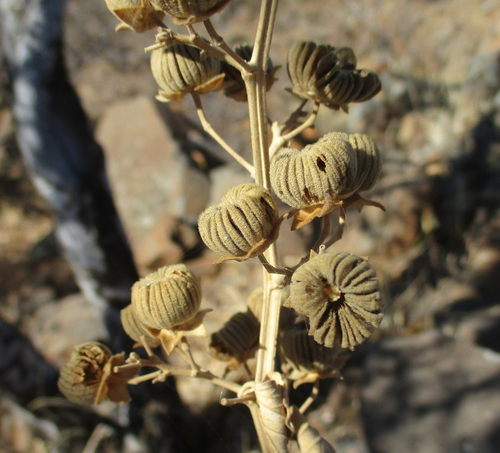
x: 308, y: 438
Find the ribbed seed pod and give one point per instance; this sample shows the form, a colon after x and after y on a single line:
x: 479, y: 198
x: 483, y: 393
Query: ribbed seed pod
x: 314, y: 178
x: 186, y: 12
x: 340, y: 294
x: 369, y: 161
x: 302, y: 62
x: 242, y: 225
x: 167, y: 297
x: 180, y: 69
x: 237, y: 339
x: 133, y: 329
x: 234, y: 85
x: 255, y: 302
x: 81, y: 377
x: 139, y: 15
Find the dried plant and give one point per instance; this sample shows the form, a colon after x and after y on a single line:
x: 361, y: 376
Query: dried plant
x: 334, y: 302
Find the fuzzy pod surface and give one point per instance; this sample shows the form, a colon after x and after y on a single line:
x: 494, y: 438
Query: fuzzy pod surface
x: 134, y: 329
x: 369, y: 161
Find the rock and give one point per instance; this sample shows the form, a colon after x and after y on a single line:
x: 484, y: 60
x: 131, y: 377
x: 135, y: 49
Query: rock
x: 151, y: 178
x: 430, y: 393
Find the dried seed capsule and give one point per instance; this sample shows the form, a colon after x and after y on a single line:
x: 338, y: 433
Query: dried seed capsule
x: 237, y: 340
x: 314, y: 178
x: 244, y: 224
x: 369, y: 161
x: 139, y: 15
x: 134, y: 329
x: 340, y: 294
x: 167, y: 297
x: 304, y: 360
x: 233, y: 82
x: 80, y: 379
x: 186, y: 12
x: 180, y: 69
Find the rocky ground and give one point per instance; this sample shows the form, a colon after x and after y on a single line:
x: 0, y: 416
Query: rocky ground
x: 429, y: 379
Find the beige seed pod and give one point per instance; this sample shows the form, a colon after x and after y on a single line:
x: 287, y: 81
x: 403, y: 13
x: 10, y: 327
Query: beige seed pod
x: 167, y: 297
x: 81, y: 378
x: 314, y: 179
x: 368, y: 159
x: 133, y: 328
x: 185, y: 12
x: 179, y: 70
x: 237, y: 340
x: 244, y: 224
x: 138, y: 15
x: 340, y: 294
x: 233, y: 82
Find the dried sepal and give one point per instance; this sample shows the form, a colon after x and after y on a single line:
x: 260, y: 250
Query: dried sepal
x: 237, y: 341
x: 185, y: 12
x: 180, y: 69
x: 134, y: 329
x: 166, y: 298
x: 340, y: 294
x: 308, y: 438
x: 115, y: 380
x: 137, y: 15
x: 306, y: 361
x: 314, y: 180
x: 234, y: 86
x: 243, y: 225
x: 270, y: 396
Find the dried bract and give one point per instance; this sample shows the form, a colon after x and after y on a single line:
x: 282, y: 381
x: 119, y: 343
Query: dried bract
x: 134, y: 329
x: 167, y: 297
x: 137, y: 15
x: 304, y: 360
x: 340, y: 294
x: 243, y: 225
x: 314, y: 179
x: 80, y: 379
x: 234, y: 86
x: 179, y: 70
x: 186, y: 12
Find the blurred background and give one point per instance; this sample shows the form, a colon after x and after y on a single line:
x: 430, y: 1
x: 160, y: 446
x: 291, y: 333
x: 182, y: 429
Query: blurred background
x: 428, y: 381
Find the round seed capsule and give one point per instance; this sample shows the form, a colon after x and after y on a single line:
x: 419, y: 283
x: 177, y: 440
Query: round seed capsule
x: 242, y: 225
x: 340, y: 294
x: 186, y: 12
x: 180, y: 69
x: 137, y: 14
x: 81, y: 377
x: 369, y: 161
x: 133, y: 329
x: 167, y: 297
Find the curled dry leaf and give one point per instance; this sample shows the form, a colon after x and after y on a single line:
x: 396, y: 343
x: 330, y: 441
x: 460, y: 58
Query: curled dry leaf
x: 185, y: 12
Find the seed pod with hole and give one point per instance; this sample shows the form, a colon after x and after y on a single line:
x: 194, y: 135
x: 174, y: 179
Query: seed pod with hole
x: 180, y: 69
x: 314, y: 179
x: 138, y: 15
x: 234, y: 86
x: 81, y: 378
x: 185, y: 12
x: 238, y: 339
x: 167, y: 297
x: 368, y: 159
x: 340, y: 294
x: 243, y: 225
x: 304, y: 360
x: 134, y: 329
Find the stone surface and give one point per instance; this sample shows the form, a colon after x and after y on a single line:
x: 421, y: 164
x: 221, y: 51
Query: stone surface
x: 430, y: 393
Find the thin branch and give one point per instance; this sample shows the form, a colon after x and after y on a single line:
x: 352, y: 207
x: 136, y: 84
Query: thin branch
x: 271, y: 269
x: 292, y: 121
x: 311, y: 398
x: 307, y: 123
x: 325, y: 232
x: 207, y: 127
x: 339, y: 231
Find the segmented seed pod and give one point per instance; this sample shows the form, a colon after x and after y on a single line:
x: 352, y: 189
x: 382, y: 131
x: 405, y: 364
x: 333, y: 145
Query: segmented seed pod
x: 238, y: 338
x: 368, y: 159
x: 139, y: 15
x: 340, y: 294
x: 186, y: 12
x: 133, y: 329
x: 167, y: 297
x: 302, y: 62
x: 244, y: 224
x: 180, y: 69
x: 81, y: 377
x: 233, y: 82
x: 255, y: 302
x: 314, y: 178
